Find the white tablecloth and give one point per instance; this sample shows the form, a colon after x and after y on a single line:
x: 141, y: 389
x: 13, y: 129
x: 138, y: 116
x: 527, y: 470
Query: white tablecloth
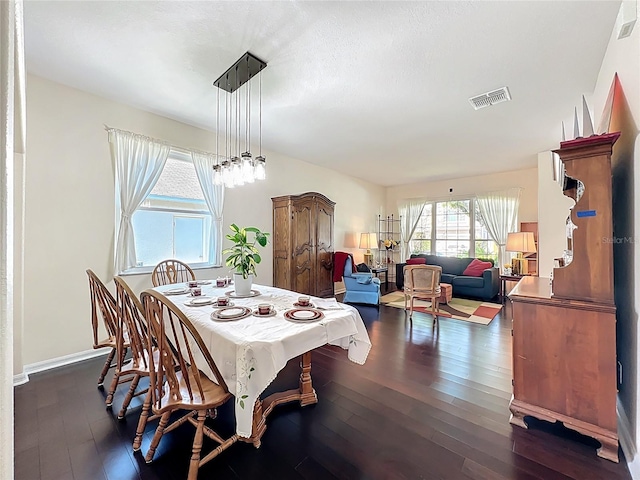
x: 250, y: 352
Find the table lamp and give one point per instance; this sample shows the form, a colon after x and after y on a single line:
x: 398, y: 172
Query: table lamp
x: 368, y: 241
x: 520, y: 242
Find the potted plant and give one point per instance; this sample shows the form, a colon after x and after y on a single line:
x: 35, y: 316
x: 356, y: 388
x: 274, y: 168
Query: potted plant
x: 244, y: 256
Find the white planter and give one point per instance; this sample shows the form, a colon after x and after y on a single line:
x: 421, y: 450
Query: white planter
x: 242, y: 285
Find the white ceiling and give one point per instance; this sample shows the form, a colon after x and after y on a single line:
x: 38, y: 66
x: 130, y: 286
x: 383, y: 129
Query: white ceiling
x: 377, y: 90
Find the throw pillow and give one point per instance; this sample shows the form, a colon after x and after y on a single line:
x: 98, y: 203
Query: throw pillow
x: 363, y: 267
x: 417, y: 261
x: 476, y: 267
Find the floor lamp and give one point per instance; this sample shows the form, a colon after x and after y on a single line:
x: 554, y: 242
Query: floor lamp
x: 368, y: 241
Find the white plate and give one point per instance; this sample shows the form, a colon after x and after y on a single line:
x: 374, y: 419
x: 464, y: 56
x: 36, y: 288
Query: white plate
x: 231, y: 312
x: 232, y: 294
x: 303, y: 314
x: 200, y: 301
x: 176, y: 291
x: 245, y: 312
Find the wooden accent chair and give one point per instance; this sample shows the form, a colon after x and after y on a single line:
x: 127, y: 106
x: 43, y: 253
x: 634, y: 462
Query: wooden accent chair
x: 171, y: 271
x: 422, y: 282
x: 132, y: 323
x: 179, y: 383
x: 102, y: 301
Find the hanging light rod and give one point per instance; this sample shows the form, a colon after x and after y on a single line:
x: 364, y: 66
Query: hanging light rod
x: 247, y: 66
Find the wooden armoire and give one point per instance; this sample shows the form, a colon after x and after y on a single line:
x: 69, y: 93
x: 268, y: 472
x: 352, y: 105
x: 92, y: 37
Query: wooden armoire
x: 303, y: 243
x: 564, y: 331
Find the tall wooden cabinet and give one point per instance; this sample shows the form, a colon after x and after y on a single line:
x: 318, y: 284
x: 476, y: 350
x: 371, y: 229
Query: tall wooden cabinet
x: 303, y: 243
x: 564, y: 331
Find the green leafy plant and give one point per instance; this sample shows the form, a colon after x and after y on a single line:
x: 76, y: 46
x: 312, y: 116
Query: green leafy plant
x: 243, y: 255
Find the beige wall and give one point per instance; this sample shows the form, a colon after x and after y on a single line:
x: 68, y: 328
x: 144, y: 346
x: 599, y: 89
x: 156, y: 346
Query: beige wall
x: 623, y: 56
x: 467, y: 186
x: 69, y: 224
x: 554, y: 208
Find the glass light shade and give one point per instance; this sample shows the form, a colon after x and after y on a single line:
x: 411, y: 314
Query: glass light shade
x: 260, y: 168
x: 236, y: 171
x: 217, y: 175
x: 247, y: 168
x: 227, y: 176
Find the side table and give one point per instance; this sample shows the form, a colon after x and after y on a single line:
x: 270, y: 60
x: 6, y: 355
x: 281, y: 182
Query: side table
x: 384, y: 270
x: 502, y: 294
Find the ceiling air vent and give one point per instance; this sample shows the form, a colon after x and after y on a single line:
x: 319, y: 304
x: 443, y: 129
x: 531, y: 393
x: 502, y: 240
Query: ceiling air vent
x: 490, y: 98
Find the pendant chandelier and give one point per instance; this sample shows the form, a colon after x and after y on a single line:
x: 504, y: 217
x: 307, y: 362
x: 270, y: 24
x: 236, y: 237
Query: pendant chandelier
x: 235, y: 168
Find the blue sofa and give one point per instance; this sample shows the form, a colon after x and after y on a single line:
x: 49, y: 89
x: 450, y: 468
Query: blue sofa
x: 485, y: 287
x: 360, y: 287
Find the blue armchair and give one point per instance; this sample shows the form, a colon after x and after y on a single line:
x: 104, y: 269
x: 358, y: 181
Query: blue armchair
x: 361, y: 287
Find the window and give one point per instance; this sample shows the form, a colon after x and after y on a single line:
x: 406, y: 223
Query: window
x: 453, y: 232
x: 453, y: 229
x: 173, y: 221
x: 421, y: 240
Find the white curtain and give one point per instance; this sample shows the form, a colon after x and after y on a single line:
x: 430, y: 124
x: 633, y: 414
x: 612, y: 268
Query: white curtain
x: 214, y: 197
x: 499, y: 211
x: 139, y: 162
x: 12, y: 133
x: 410, y: 212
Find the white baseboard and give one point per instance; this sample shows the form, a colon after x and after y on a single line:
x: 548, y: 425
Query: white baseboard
x: 22, y: 378
x: 627, y: 442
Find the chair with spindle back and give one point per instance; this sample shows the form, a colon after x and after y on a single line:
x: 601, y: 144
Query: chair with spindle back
x: 180, y: 382
x: 102, y: 301
x: 131, y: 322
x: 422, y: 282
x: 171, y: 271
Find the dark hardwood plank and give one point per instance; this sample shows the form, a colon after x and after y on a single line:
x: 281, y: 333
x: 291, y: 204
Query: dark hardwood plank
x: 429, y: 403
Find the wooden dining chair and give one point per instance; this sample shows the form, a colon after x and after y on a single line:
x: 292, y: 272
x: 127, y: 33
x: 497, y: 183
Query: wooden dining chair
x: 422, y: 282
x: 180, y: 382
x: 132, y: 325
x: 103, y: 305
x: 171, y: 271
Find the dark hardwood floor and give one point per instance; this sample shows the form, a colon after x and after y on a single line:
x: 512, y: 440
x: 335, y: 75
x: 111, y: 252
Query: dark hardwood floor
x: 429, y: 404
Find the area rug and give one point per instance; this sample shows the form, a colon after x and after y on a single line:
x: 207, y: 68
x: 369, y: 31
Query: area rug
x: 473, y: 311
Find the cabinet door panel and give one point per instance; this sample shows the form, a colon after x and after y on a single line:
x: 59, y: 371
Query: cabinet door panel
x: 564, y: 361
x: 303, y: 254
x: 281, y: 248
x: 324, y: 250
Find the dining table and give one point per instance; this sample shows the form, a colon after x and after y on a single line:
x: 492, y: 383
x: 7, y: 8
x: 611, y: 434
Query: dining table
x: 250, y: 351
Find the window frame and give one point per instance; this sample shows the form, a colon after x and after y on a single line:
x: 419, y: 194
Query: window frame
x: 178, y: 155
x: 472, y: 230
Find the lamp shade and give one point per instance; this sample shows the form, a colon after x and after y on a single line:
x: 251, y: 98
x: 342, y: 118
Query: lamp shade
x: 522, y: 242
x: 368, y: 240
